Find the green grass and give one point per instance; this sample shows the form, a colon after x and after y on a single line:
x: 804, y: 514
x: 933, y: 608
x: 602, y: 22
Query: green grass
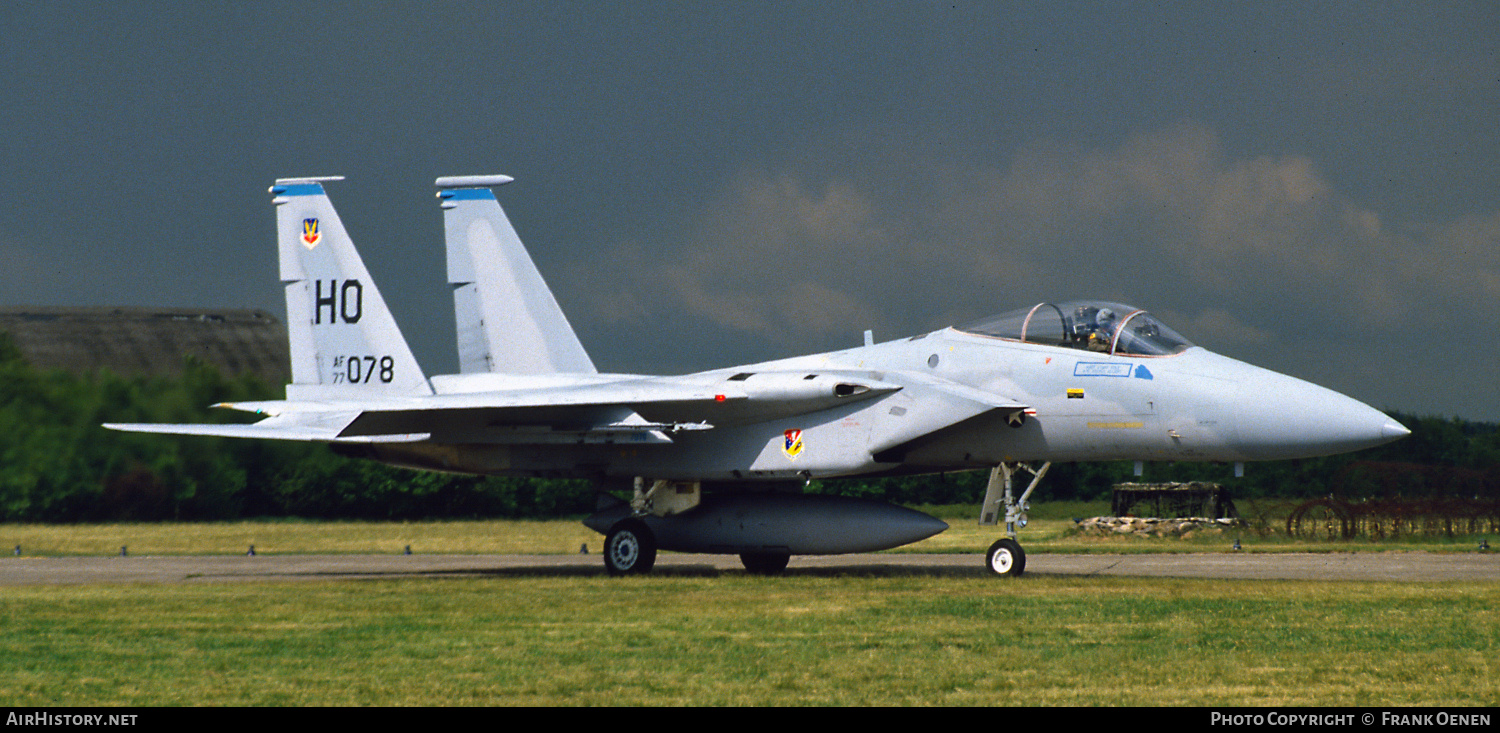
x: 1050, y: 531
x: 734, y: 639
x: 729, y: 638
x: 557, y: 536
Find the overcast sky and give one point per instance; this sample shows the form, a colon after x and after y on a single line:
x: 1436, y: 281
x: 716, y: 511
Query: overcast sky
x: 1311, y: 187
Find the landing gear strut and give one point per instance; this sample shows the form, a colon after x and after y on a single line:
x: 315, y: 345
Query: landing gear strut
x: 630, y: 545
x: 1006, y: 558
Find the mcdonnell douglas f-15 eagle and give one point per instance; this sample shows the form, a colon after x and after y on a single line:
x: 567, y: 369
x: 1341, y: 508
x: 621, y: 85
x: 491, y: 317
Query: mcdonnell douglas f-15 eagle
x: 715, y: 461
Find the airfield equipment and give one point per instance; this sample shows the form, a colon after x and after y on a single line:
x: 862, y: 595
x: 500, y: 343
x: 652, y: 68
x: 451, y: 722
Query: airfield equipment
x: 1336, y: 519
x: 1380, y: 499
x: 1191, y: 499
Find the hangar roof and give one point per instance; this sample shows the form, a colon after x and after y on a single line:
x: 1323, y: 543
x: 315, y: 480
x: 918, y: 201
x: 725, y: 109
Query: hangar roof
x: 130, y: 340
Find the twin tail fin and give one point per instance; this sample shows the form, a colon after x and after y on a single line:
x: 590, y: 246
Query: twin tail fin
x: 508, y: 320
x: 345, y: 344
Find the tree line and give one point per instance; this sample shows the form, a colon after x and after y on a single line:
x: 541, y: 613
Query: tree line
x: 58, y: 465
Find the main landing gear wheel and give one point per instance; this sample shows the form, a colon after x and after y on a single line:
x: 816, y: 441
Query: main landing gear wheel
x: 629, y: 548
x: 764, y: 563
x: 1006, y: 558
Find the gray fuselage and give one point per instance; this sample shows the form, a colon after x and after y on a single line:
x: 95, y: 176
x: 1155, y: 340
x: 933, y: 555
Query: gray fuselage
x: 1079, y: 406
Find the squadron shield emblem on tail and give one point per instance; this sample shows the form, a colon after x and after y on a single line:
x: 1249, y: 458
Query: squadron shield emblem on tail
x: 310, y: 234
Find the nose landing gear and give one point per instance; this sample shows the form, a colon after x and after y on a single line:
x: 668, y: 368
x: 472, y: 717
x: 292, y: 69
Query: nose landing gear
x: 1006, y: 558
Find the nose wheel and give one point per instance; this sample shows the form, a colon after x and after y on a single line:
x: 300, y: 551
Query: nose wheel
x: 1006, y: 558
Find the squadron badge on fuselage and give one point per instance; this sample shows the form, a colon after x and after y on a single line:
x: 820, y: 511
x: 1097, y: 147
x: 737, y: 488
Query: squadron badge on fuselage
x: 793, y: 445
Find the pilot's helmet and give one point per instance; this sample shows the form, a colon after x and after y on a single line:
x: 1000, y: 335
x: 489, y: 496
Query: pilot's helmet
x: 1105, y: 316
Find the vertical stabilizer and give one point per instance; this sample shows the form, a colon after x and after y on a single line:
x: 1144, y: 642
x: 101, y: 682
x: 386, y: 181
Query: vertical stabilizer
x: 508, y: 320
x: 344, y: 342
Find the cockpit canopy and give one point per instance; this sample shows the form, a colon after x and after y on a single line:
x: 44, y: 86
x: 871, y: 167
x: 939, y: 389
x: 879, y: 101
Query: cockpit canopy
x: 1110, y: 328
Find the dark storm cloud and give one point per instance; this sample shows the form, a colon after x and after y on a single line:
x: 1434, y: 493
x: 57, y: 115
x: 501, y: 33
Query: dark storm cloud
x: 1309, y: 187
x: 1250, y: 257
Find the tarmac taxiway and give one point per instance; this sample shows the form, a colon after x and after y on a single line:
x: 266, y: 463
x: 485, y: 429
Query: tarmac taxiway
x: 1350, y: 566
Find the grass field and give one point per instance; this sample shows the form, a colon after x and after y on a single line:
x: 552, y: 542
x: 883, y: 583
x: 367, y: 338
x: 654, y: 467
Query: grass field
x: 1050, y: 531
x: 732, y: 639
x: 746, y: 640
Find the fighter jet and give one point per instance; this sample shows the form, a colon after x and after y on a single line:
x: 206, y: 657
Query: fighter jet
x: 716, y: 461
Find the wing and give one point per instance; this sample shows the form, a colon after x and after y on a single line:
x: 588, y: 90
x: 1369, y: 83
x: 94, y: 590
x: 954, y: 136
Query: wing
x: 590, y: 410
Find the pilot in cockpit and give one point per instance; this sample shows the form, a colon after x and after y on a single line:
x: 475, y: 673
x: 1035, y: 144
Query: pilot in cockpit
x: 1105, y: 328
x: 1103, y: 332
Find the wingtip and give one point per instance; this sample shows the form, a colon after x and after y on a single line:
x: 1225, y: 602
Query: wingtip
x: 471, y: 181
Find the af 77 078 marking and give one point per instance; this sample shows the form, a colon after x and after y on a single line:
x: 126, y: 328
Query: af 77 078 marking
x: 715, y: 461
x: 354, y: 369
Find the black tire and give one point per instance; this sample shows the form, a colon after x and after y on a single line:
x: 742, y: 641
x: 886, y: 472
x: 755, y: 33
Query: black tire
x: 764, y: 563
x: 1006, y: 558
x: 629, y: 548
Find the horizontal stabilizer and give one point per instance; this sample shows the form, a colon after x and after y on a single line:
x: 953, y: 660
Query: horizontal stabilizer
x: 261, y: 430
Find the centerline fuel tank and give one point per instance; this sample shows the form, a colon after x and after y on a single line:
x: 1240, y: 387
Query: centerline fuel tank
x: 794, y: 524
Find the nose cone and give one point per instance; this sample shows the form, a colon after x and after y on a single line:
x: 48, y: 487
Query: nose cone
x: 1393, y: 430
x: 1284, y: 417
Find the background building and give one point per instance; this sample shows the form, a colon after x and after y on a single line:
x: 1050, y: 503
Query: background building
x: 150, y: 340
